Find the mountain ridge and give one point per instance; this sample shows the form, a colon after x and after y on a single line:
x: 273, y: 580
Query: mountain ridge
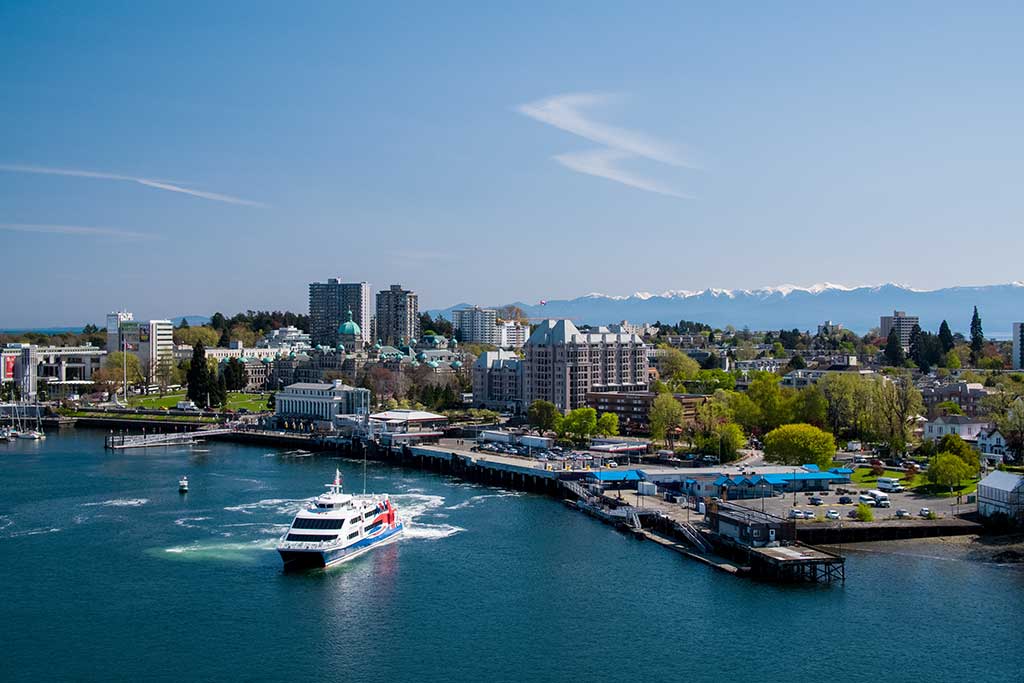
x: 788, y: 306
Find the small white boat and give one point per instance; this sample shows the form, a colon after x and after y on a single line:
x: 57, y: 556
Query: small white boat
x: 31, y: 434
x: 183, y: 485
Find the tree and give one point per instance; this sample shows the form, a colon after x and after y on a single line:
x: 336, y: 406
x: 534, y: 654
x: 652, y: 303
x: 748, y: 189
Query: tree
x: 946, y: 337
x: 198, y: 379
x: 947, y: 469
x: 243, y: 334
x: 118, y: 360
x: 952, y: 443
x: 541, y: 415
x: 225, y: 339
x: 896, y: 401
x: 799, y: 444
x: 977, y: 337
x: 952, y: 360
x: 776, y: 408
x: 865, y: 513
x: 580, y: 423
x: 218, y: 321
x: 608, y: 424
x: 272, y: 400
x: 677, y: 367
x: 809, y: 405
x: 797, y: 362
x: 894, y: 355
x: 190, y: 336
x: 949, y: 408
x: 234, y: 374
x: 666, y: 415
x: 708, y: 381
x: 183, y: 325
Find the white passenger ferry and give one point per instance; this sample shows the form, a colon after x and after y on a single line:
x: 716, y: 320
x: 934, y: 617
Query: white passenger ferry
x: 337, y: 527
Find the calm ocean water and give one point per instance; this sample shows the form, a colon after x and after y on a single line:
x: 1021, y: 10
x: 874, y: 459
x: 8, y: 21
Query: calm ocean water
x: 108, y: 573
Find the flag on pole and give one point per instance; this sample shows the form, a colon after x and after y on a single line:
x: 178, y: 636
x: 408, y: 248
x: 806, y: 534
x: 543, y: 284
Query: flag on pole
x: 337, y: 477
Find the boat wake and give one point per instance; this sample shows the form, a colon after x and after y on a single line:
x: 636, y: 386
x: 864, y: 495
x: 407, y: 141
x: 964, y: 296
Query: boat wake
x: 119, y: 503
x: 415, y: 506
x: 283, y: 506
x: 469, y: 502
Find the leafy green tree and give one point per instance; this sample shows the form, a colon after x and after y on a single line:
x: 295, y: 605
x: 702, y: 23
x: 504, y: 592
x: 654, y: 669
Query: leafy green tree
x: 116, y: 361
x: 190, y: 336
x: 272, y: 400
x: 949, y: 408
x: 742, y: 409
x: 865, y: 513
x: 809, y: 405
x: 542, y: 415
x: 797, y: 362
x: 198, y: 379
x: 218, y: 321
x: 666, y: 415
x: 946, y: 337
x: 580, y: 423
x: 977, y: 337
x: 894, y: 354
x: 799, y: 444
x: 676, y: 366
x: 766, y: 393
x: 608, y: 424
x: 952, y: 360
x: 709, y: 381
x: 952, y: 443
x: 948, y: 469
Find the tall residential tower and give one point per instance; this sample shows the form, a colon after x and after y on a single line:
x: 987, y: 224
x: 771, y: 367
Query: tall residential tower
x: 398, y: 315
x: 329, y: 303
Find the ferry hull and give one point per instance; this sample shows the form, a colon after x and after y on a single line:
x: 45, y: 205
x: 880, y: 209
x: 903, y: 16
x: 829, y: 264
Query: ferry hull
x: 296, y: 560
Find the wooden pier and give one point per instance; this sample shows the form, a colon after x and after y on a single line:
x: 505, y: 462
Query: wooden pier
x: 124, y: 441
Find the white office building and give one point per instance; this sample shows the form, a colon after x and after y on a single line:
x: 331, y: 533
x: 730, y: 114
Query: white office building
x: 901, y: 322
x: 151, y: 341
x: 476, y: 325
x: 320, y: 402
x: 512, y: 334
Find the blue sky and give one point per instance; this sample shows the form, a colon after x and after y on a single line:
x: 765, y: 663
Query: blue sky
x: 488, y: 154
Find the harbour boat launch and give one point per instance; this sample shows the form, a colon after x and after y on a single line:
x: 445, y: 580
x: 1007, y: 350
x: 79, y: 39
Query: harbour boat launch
x: 337, y: 527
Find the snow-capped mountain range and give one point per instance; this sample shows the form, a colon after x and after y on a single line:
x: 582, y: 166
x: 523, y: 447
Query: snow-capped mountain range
x: 788, y: 306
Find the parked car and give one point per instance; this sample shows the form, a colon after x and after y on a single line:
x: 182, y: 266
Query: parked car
x: 925, y: 512
x: 901, y: 513
x: 796, y: 514
x: 815, y: 500
x: 832, y: 514
x: 612, y: 463
x: 845, y: 500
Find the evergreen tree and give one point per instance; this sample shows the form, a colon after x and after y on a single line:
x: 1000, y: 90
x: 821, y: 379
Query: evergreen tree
x: 198, y: 378
x: 218, y: 321
x: 915, y: 344
x: 225, y: 339
x: 894, y: 354
x: 183, y: 325
x: 977, y: 337
x: 946, y: 337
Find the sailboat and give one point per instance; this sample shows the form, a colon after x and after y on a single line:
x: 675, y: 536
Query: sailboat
x: 36, y: 433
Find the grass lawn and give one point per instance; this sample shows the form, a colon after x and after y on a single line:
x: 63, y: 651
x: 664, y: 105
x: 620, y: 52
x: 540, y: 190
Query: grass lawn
x: 236, y: 400
x: 862, y: 478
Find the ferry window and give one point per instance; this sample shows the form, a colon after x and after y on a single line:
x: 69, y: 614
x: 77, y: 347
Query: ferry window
x: 354, y: 534
x: 370, y: 514
x: 311, y: 537
x: 373, y: 527
x: 303, y: 523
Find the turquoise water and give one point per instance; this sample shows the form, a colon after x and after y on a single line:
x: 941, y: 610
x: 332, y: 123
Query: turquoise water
x: 108, y: 573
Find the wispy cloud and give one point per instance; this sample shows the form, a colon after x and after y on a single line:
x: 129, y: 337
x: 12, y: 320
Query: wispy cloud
x: 601, y: 163
x: 565, y: 112
x: 78, y: 230
x: 148, y: 182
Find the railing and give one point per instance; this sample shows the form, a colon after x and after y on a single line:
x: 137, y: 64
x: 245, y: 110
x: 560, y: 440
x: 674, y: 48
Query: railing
x: 693, y: 536
x: 119, y: 441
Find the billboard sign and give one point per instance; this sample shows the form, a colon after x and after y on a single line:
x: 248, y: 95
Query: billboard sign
x: 9, y: 367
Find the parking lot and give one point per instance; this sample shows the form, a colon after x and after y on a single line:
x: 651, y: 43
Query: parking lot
x: 781, y: 505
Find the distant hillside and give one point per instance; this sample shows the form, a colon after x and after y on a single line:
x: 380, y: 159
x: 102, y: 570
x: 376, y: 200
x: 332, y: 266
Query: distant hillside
x: 787, y: 306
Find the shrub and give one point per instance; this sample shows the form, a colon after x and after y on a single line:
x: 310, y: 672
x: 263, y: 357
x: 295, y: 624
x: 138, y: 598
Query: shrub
x: 865, y: 513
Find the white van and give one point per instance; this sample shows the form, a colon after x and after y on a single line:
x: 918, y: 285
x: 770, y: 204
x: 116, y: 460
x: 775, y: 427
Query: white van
x: 866, y: 500
x: 890, y: 484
